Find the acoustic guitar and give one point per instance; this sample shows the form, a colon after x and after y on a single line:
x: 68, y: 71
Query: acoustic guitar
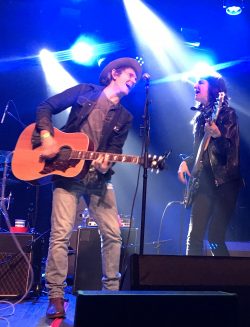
x: 29, y: 165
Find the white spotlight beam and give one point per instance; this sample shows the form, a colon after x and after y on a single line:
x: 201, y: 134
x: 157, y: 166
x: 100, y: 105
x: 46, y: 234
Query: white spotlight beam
x: 185, y: 76
x: 58, y: 79
x: 153, y: 35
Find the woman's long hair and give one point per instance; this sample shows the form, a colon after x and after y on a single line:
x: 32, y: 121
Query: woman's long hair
x: 215, y: 86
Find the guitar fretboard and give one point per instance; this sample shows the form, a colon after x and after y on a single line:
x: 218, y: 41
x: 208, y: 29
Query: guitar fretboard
x: 112, y: 157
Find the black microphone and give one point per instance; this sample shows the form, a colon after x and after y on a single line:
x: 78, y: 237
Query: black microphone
x: 146, y: 77
x: 5, y: 111
x: 194, y: 108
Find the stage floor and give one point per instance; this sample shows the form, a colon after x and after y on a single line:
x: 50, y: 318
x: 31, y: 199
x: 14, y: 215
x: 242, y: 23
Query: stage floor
x: 31, y: 313
x: 167, y: 307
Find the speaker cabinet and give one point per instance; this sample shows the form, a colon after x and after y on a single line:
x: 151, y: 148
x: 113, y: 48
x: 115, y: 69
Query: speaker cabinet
x: 187, y: 272
x: 156, y: 308
x: 88, y: 264
x: 15, y: 274
x: 192, y: 273
x: 72, y: 254
x: 88, y: 260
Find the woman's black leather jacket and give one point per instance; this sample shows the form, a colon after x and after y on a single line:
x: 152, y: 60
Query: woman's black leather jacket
x: 222, y: 152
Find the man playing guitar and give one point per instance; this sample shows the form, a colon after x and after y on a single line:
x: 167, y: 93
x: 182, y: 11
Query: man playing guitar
x: 97, y: 112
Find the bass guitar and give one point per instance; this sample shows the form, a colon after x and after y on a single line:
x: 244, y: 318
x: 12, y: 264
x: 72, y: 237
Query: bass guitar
x: 29, y: 165
x: 194, y: 180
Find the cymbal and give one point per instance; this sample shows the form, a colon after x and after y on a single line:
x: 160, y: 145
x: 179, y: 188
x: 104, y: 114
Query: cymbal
x: 5, y: 155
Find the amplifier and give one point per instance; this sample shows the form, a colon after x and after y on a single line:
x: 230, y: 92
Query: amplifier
x: 90, y: 222
x: 15, y: 274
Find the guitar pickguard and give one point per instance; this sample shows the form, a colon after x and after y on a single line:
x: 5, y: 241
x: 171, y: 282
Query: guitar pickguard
x: 61, y: 162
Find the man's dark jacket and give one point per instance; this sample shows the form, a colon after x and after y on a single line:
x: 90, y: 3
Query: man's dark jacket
x: 82, y: 99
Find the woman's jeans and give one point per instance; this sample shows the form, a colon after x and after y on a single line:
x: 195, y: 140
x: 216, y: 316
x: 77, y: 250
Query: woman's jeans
x: 211, y: 211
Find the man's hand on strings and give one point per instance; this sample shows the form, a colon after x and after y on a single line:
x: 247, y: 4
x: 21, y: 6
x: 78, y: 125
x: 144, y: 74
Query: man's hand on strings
x: 102, y: 163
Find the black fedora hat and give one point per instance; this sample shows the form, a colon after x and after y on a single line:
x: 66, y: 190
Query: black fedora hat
x: 120, y: 62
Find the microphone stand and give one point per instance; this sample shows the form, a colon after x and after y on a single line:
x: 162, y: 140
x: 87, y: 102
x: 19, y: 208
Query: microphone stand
x: 146, y: 129
x: 17, y: 118
x: 3, y: 208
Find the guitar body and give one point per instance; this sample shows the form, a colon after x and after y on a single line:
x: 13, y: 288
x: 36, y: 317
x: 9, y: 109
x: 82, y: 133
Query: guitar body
x: 191, y: 190
x: 194, y: 180
x: 28, y: 165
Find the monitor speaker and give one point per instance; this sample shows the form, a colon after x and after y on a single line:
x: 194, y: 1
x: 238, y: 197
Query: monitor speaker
x: 167, y: 272
x: 156, y: 308
x: 192, y: 273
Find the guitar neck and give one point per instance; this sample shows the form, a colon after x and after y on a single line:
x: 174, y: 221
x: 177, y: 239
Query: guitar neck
x: 206, y: 138
x: 112, y: 157
x: 198, y: 161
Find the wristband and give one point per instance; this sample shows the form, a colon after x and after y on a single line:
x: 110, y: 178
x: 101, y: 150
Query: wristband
x: 45, y: 135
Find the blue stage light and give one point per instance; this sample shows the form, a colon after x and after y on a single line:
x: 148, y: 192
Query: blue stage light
x: 83, y: 51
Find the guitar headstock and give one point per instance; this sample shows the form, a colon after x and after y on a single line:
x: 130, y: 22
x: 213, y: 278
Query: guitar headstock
x: 221, y: 97
x: 157, y: 162
x: 219, y: 104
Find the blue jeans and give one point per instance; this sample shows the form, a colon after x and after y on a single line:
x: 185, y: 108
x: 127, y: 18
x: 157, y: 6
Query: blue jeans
x: 104, y: 210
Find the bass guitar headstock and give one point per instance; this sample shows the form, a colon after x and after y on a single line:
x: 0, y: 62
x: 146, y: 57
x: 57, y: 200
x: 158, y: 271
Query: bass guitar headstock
x: 218, y: 106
